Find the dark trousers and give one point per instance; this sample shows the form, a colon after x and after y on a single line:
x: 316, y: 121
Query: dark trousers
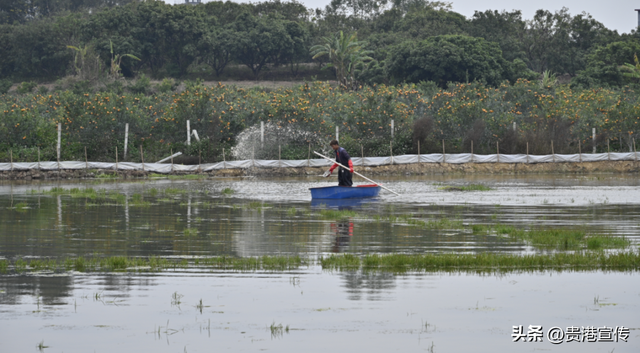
x: 344, y: 177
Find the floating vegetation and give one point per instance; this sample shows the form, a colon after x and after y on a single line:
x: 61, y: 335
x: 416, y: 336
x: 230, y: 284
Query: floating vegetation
x: 337, y: 214
x: 107, y: 176
x: 136, y: 200
x: 278, y: 330
x: 255, y: 205
x: 153, y: 192
x: 397, y: 263
x: 558, y: 239
x: 123, y: 263
x: 292, y: 211
x: 470, y: 187
x: 21, y: 207
x: 484, y: 262
x: 188, y: 176
x: 190, y: 232
x: 227, y: 191
x: 174, y: 191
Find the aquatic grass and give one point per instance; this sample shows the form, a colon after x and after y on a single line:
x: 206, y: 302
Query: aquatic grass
x: 153, y: 192
x: 107, y: 176
x: 138, y: 201
x: 485, y: 262
x: 156, y: 175
x: 397, y: 263
x: 190, y: 232
x: 562, y: 239
x: 337, y: 214
x: 340, y: 262
x: 188, y: 176
x: 227, y: 191
x: 255, y: 205
x: 292, y: 211
x: 470, y: 187
x: 21, y: 207
x: 174, y: 191
x: 278, y: 330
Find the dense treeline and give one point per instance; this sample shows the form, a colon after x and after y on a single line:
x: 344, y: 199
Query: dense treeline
x: 406, y: 40
x: 491, y: 78
x: 424, y: 115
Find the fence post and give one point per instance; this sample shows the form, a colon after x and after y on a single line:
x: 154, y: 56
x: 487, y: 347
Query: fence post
x: 39, y: 168
x: 126, y: 140
x: 188, y: 133
x: 527, y: 152
x: 391, y: 150
x: 253, y: 156
x: 279, y: 161
x: 418, y: 151
x: 471, y: 151
x: 309, y: 156
x: 116, y: 159
x: 199, y: 160
x: 337, y: 133
x: 498, y: 150
x: 593, y: 139
x: 142, y: 157
x: 262, y: 134
x: 224, y: 160
x: 608, y: 150
x: 580, y: 150
x: 553, y: 154
x: 86, y: 161
x: 11, y: 159
x: 444, y: 157
x: 392, y: 128
x: 58, y: 147
x: 635, y: 154
x: 362, y: 152
x: 171, y: 160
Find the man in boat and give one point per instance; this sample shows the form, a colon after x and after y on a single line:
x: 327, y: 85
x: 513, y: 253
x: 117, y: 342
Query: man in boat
x: 342, y: 157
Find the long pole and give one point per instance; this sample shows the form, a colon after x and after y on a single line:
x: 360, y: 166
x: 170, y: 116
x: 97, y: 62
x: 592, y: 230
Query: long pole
x: 356, y: 173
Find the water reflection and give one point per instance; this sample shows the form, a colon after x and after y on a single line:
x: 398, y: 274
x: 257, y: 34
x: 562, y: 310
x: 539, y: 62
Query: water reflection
x: 371, y: 286
x: 343, y: 232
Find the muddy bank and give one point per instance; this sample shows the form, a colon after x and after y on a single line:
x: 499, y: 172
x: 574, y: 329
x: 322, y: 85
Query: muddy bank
x: 612, y: 167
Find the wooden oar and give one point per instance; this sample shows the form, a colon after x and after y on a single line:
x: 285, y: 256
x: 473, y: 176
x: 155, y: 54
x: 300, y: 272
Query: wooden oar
x: 356, y: 173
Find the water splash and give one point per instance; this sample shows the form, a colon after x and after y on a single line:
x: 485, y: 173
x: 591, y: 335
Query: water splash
x: 294, y: 143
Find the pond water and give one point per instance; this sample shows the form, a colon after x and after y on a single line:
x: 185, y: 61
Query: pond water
x: 192, y: 310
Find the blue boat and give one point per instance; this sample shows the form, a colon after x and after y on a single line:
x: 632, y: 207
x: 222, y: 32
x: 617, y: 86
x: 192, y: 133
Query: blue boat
x: 345, y: 192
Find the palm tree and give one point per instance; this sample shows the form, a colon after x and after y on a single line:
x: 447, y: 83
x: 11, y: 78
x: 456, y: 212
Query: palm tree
x: 346, y: 54
x: 116, y: 59
x: 633, y: 71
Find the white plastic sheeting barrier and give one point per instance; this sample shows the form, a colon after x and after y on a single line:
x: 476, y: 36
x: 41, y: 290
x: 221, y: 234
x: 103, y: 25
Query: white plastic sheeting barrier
x: 357, y: 161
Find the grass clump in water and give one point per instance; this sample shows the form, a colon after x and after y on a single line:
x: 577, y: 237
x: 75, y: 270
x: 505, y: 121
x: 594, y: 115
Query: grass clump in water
x: 107, y: 176
x: 21, y: 207
x: 470, y: 187
x: 340, y: 262
x: 188, y: 176
x: 4, y: 265
x: 137, y: 200
x: 337, y: 214
x: 153, y: 192
x: 563, y: 239
x: 190, y: 232
x: 174, y: 191
x: 485, y: 262
x: 227, y: 191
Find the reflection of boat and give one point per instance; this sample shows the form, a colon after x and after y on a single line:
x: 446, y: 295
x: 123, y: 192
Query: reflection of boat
x: 339, y: 203
x: 345, y: 192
